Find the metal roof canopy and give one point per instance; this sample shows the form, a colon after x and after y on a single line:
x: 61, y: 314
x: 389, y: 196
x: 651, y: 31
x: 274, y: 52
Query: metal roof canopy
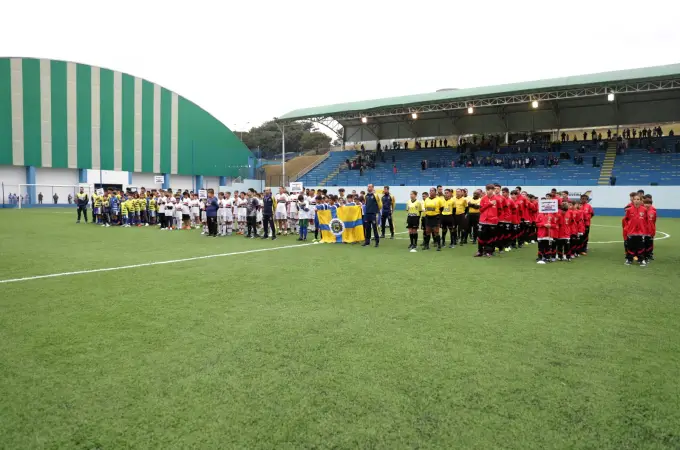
x: 572, y: 102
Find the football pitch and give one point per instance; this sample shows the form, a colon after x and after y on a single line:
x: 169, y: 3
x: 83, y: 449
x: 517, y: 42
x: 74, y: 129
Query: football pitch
x: 136, y: 338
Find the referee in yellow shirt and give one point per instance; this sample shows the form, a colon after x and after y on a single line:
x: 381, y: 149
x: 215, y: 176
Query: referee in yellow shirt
x: 460, y: 220
x: 433, y: 206
x: 447, y: 222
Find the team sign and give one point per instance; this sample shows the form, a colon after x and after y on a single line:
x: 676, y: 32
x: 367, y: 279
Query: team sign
x: 296, y: 186
x: 547, y: 206
x: 202, y: 193
x: 159, y: 179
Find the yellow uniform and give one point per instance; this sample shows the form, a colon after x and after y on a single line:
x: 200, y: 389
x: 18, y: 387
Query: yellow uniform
x: 474, y: 205
x: 414, y: 208
x: 448, y: 206
x: 433, y: 206
x: 461, y: 204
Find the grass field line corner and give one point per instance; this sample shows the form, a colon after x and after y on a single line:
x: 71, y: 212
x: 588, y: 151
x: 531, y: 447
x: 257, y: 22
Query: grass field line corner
x: 154, y: 263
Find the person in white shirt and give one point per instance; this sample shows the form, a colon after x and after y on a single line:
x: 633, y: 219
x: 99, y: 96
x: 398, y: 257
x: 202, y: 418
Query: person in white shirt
x: 242, y: 213
x: 186, y: 212
x: 293, y: 213
x: 160, y: 203
x: 169, y: 210
x: 303, y: 215
x: 220, y: 213
x: 281, y: 215
x: 204, y: 219
x: 195, y: 211
x: 178, y: 212
x: 228, y: 214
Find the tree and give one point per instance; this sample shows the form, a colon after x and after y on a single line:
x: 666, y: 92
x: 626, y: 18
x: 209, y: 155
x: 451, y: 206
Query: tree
x: 299, y: 136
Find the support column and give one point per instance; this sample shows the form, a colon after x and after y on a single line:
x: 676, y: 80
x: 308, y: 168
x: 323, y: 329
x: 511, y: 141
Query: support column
x: 130, y: 178
x: 223, y: 181
x: 82, y: 176
x: 166, y: 181
x: 199, y: 182
x: 30, y: 179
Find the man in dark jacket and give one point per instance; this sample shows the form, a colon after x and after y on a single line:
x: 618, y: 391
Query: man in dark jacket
x: 211, y: 207
x: 373, y: 207
x: 268, y: 208
x: 82, y: 201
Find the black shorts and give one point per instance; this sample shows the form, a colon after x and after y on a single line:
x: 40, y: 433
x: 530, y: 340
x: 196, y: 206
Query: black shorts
x: 432, y: 221
x: 185, y: 217
x: 447, y: 221
x: 412, y: 221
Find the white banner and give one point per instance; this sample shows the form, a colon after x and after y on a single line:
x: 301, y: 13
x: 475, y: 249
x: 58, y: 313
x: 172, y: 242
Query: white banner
x: 296, y: 187
x: 159, y: 179
x: 99, y: 191
x: 202, y: 193
x: 547, y: 206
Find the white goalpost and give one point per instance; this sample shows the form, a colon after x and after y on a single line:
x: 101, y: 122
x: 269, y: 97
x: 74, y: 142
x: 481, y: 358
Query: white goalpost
x: 29, y: 194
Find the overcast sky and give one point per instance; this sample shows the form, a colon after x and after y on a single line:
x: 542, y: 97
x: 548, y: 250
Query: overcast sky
x: 246, y: 61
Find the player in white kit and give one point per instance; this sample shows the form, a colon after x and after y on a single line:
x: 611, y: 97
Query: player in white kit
x: 169, y: 211
x: 220, y: 213
x: 195, y: 211
x: 228, y: 214
x: 293, y: 212
x: 281, y: 214
x: 242, y: 213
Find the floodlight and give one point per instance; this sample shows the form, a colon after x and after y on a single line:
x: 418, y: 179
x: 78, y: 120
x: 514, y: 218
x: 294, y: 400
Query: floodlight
x: 471, y: 110
x: 414, y: 115
x: 610, y: 96
x: 534, y: 104
x: 364, y: 120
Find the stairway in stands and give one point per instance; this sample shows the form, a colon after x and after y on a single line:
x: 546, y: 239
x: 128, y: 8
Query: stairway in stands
x: 334, y: 173
x: 607, y: 167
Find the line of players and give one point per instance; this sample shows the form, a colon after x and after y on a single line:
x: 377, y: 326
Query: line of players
x: 500, y: 219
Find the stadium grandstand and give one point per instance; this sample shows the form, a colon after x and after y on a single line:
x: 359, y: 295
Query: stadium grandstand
x: 65, y: 123
x: 612, y: 128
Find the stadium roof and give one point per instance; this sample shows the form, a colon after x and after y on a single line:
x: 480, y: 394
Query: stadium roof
x: 671, y: 71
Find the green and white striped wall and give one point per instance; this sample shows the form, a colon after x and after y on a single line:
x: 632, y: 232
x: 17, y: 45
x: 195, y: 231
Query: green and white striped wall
x: 70, y: 115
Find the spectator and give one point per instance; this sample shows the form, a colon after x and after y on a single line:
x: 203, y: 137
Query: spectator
x: 394, y: 169
x: 446, y: 143
x: 70, y: 198
x: 609, y: 134
x: 564, y: 137
x: 56, y: 198
x: 40, y: 198
x: 585, y: 136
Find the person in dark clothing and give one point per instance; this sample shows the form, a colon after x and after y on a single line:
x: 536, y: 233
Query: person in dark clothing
x: 373, y: 206
x: 388, y: 203
x: 211, y: 207
x: 251, y: 214
x: 82, y: 201
x: 268, y: 214
x: 609, y: 134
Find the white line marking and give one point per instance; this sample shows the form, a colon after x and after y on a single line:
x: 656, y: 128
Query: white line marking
x: 157, y: 263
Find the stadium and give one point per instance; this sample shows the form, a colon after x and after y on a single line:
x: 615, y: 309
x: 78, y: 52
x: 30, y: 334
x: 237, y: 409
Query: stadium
x: 125, y: 336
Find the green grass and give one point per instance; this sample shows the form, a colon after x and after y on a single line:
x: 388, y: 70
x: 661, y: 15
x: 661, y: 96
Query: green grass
x: 331, y: 346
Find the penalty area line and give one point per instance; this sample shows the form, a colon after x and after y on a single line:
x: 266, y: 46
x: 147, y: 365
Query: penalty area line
x: 156, y: 263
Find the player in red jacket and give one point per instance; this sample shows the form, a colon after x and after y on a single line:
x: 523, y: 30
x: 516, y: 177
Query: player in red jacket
x: 651, y: 226
x: 545, y: 223
x: 581, y: 229
x: 515, y: 217
x: 588, y: 214
x: 564, y: 223
x: 505, y: 221
x: 533, y: 213
x: 636, y: 220
x: 488, y: 221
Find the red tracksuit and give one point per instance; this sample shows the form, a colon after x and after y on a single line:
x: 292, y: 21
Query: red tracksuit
x: 544, y: 233
x: 651, y: 230
x: 488, y: 212
x: 636, y: 220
